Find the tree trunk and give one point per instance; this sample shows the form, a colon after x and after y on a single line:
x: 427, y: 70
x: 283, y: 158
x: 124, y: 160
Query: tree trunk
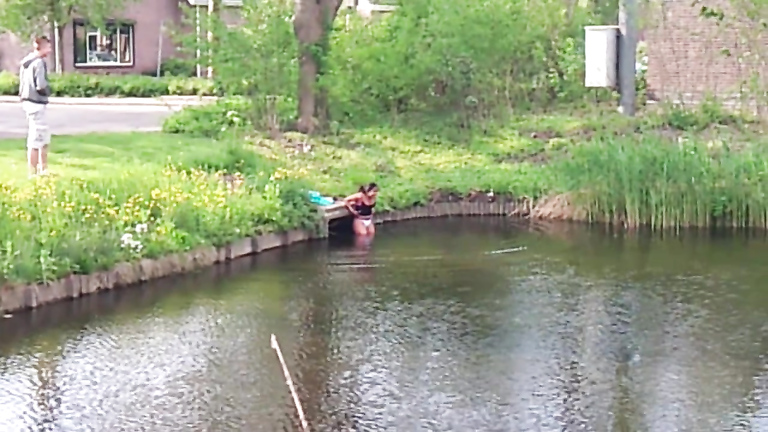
x: 322, y: 108
x: 307, y: 77
x: 311, y: 21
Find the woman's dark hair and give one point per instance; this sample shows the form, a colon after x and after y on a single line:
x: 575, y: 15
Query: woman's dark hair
x: 368, y: 189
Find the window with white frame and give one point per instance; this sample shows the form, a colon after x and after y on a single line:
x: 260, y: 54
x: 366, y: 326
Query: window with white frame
x: 110, y: 45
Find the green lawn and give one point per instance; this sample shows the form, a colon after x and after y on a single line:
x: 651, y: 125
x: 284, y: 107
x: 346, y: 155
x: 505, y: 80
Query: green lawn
x: 614, y: 169
x: 336, y: 165
x: 95, y: 155
x: 359, y: 150
x: 427, y: 155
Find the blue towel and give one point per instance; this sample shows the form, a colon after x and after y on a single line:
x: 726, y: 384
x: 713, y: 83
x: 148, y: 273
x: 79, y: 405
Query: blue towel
x: 317, y: 199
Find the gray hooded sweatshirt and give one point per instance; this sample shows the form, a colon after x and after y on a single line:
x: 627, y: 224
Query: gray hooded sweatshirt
x: 33, y: 80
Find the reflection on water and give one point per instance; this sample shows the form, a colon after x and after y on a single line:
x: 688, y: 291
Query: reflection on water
x: 422, y: 329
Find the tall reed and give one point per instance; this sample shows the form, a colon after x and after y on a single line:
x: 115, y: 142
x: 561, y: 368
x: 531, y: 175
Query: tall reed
x: 662, y: 183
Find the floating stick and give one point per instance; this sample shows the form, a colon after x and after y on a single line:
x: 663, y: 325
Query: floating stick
x: 289, y: 381
x: 501, y: 251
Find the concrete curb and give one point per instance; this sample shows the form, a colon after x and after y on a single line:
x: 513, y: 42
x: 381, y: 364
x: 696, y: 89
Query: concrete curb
x: 164, y: 101
x: 15, y: 297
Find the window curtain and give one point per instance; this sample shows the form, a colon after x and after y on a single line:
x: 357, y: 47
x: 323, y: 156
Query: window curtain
x: 125, y: 45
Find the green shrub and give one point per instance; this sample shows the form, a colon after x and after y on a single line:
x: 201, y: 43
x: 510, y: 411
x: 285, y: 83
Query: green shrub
x: 508, y: 55
x: 92, y: 85
x: 178, y: 68
x: 9, y: 84
x: 700, y: 116
x: 211, y: 120
x: 234, y: 158
x: 177, y: 86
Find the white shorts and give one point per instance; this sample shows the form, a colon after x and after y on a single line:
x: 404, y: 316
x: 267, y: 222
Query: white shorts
x: 366, y: 222
x: 38, y: 135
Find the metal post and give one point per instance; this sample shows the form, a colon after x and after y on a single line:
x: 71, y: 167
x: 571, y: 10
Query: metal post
x: 160, y: 48
x: 198, y: 68
x: 212, y: 14
x: 627, y: 55
x: 57, y: 48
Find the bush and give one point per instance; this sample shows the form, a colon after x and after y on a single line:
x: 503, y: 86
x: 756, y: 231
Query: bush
x: 473, y: 60
x: 696, y: 118
x: 228, y: 116
x: 9, y: 84
x: 51, y: 228
x: 211, y: 120
x: 178, y: 68
x: 235, y: 158
x: 266, y: 77
x: 87, y: 85
x: 507, y: 55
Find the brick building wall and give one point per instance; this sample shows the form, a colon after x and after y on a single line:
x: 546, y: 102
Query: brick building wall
x: 147, y: 17
x: 691, y: 56
x: 12, y: 50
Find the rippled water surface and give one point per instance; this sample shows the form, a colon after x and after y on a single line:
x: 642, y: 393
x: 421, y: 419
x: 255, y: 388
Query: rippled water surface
x: 455, y: 325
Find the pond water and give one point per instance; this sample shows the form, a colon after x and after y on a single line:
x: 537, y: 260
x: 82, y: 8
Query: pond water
x: 473, y: 324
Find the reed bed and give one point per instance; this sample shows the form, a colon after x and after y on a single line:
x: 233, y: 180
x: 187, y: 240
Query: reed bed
x: 666, y: 184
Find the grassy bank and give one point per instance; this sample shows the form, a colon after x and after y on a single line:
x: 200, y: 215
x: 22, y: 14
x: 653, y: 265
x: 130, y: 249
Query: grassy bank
x: 116, y: 198
x: 667, y: 168
x: 121, y: 197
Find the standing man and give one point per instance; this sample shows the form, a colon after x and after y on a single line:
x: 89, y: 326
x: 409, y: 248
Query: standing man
x: 34, y: 91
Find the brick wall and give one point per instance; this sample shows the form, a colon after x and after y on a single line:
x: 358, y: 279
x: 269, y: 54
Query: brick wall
x: 12, y: 50
x: 688, y: 54
x: 147, y: 16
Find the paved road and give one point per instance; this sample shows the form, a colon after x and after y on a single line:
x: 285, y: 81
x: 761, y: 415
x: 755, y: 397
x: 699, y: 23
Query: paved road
x: 74, y: 119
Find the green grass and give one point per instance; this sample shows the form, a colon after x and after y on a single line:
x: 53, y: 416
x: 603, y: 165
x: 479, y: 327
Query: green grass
x: 628, y: 171
x: 408, y: 162
x: 665, y: 184
x: 585, y: 153
x: 97, y: 155
x: 108, y: 186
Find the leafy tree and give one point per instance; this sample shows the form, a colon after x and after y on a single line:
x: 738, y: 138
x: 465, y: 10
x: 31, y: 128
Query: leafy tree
x: 471, y: 61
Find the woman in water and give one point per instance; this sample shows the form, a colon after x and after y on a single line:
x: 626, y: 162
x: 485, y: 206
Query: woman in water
x: 361, y: 205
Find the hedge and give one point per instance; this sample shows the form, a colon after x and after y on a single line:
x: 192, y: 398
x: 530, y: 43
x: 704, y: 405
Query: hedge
x: 88, y: 85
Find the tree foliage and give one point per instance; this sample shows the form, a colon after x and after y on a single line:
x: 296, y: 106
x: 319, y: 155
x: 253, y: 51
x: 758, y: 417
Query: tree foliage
x: 466, y: 56
x: 27, y: 17
x: 472, y: 59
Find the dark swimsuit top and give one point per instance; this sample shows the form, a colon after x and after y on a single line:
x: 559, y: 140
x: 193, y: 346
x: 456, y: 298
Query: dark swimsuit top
x: 364, y: 210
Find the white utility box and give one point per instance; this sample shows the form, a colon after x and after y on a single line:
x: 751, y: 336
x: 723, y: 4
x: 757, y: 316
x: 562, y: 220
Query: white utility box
x: 600, y: 55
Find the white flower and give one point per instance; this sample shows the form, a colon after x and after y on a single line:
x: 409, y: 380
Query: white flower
x: 127, y: 241
x: 141, y: 228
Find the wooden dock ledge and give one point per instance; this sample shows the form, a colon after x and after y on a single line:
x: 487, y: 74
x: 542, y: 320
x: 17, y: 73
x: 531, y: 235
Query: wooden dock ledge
x: 336, y: 210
